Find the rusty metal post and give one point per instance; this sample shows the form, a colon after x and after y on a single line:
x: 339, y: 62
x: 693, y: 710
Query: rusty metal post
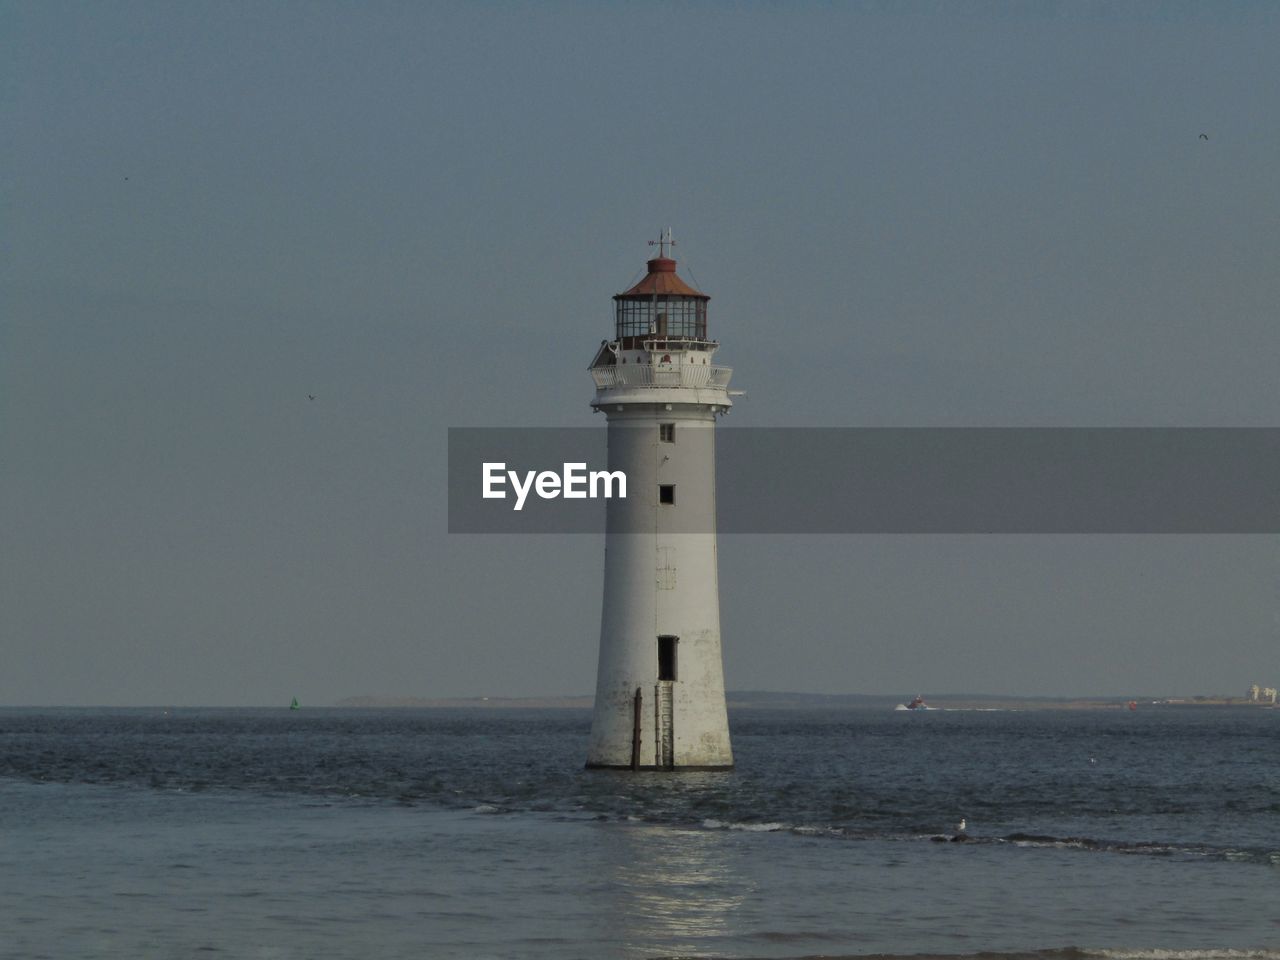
x: 635, y: 734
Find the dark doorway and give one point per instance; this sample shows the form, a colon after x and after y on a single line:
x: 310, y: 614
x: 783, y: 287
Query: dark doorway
x: 667, y: 657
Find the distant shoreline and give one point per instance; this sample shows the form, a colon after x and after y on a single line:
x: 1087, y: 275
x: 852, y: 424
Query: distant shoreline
x: 759, y: 699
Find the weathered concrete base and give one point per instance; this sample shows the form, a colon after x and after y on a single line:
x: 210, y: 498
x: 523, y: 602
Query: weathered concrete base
x: 652, y: 769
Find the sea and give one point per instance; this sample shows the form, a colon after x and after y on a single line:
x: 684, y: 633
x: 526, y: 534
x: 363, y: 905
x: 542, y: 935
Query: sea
x: 1147, y: 834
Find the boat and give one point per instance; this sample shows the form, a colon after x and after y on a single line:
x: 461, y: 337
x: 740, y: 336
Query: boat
x: 917, y: 703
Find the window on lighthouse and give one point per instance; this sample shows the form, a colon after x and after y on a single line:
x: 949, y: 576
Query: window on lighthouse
x: 667, y: 432
x: 667, y: 493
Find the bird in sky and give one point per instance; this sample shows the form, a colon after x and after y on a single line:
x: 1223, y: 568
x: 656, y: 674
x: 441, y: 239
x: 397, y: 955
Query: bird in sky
x: 311, y: 396
x: 1204, y: 136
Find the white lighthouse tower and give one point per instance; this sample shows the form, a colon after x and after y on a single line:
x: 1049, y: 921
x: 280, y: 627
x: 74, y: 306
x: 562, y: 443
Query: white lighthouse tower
x: 660, y: 681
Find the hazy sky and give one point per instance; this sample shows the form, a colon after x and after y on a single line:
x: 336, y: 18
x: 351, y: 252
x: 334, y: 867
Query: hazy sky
x: 906, y: 214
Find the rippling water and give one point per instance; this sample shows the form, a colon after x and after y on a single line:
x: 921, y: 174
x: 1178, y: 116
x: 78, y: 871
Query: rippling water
x: 425, y: 833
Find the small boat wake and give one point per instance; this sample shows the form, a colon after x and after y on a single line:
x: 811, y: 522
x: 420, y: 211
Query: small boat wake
x: 917, y: 703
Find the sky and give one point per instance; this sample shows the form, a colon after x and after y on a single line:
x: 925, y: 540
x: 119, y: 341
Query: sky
x: 906, y: 214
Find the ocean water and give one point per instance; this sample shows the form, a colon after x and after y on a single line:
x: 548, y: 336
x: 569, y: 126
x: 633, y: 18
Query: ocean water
x: 1144, y: 835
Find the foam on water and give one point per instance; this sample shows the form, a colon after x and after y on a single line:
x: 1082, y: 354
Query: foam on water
x: 1184, y: 954
x: 1072, y: 953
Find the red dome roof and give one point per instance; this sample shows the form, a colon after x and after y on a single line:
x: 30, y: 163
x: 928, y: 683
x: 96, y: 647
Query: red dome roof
x: 661, y: 280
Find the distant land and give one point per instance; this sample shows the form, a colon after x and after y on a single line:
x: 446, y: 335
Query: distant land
x: 766, y: 699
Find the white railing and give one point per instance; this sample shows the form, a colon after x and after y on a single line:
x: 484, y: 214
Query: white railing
x: 660, y: 375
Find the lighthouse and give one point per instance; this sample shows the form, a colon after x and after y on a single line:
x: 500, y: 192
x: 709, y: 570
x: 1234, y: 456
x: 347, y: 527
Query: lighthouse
x: 660, y: 679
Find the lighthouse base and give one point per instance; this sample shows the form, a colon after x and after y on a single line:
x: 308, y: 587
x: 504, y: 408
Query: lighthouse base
x: 663, y: 725
x: 650, y: 768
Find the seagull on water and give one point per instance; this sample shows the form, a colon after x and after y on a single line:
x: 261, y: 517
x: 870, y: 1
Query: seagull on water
x: 962, y: 825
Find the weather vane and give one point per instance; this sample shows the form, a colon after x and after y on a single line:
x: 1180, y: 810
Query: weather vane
x: 664, y: 240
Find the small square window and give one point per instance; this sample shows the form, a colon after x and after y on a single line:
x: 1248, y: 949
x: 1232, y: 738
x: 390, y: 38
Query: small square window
x: 667, y: 493
x: 667, y: 432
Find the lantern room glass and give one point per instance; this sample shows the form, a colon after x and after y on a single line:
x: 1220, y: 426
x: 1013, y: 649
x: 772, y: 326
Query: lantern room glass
x: 663, y: 317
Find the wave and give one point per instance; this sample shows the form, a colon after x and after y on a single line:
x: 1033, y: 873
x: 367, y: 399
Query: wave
x: 1031, y: 840
x: 1057, y: 953
x: 771, y: 827
x: 1149, y: 848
